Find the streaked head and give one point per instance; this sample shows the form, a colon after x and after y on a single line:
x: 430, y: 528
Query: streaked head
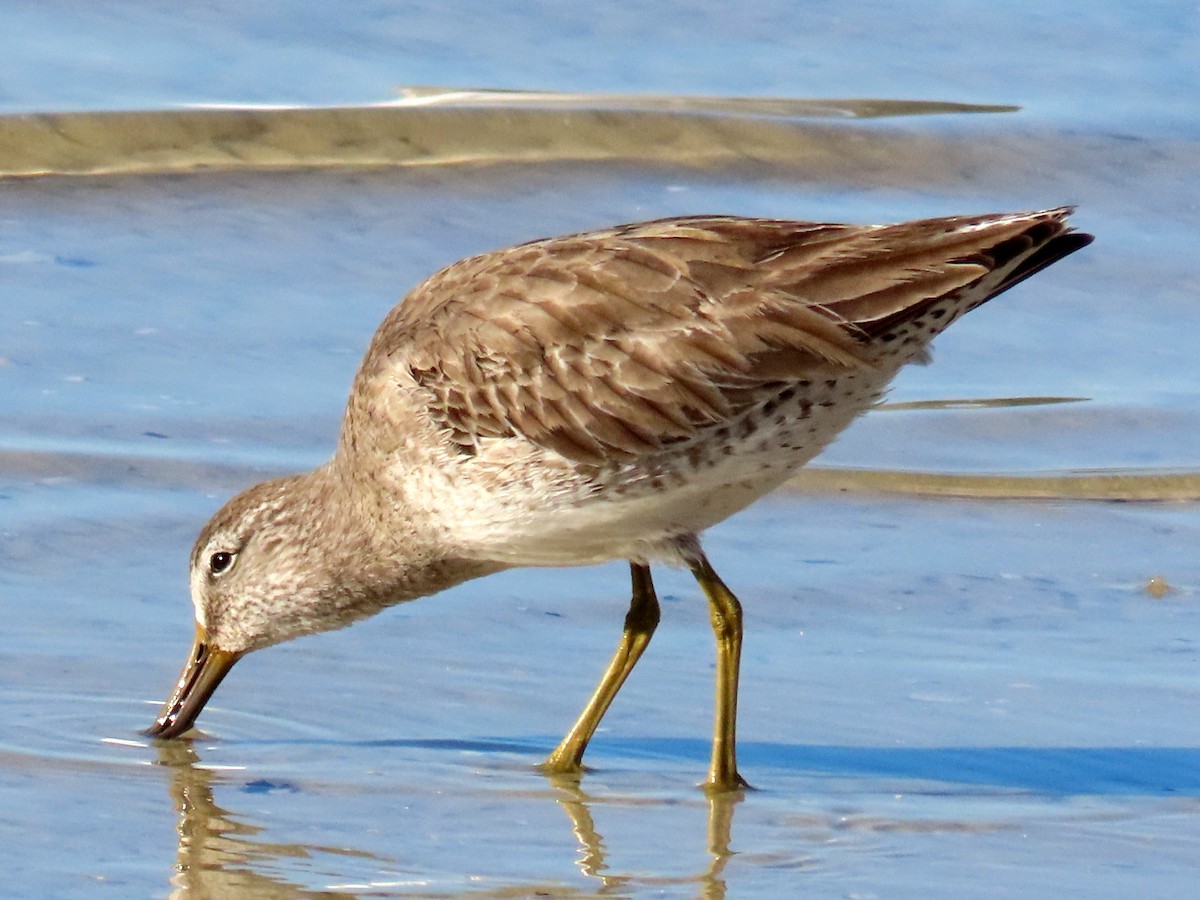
x: 261, y: 573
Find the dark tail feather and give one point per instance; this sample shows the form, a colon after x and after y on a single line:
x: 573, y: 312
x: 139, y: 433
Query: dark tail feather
x: 1049, y: 253
x: 1052, y: 239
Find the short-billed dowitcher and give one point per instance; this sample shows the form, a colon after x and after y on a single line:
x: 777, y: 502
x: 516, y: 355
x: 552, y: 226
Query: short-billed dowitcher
x: 585, y: 398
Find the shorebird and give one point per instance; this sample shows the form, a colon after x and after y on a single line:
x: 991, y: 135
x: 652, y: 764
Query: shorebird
x: 598, y: 396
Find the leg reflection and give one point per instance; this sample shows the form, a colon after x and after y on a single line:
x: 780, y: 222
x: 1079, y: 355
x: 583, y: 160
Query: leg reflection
x: 720, y: 827
x: 575, y: 802
x: 593, y: 855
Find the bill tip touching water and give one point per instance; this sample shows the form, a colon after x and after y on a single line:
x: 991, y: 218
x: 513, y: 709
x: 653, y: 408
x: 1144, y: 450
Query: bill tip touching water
x: 599, y: 396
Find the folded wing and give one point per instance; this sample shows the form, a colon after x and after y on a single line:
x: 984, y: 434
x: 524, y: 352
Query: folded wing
x: 610, y: 345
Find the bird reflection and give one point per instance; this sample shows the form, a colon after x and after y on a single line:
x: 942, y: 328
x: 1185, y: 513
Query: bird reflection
x: 222, y: 857
x: 592, y: 862
x: 218, y: 856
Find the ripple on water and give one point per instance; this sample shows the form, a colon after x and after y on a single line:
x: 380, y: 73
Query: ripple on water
x: 82, y: 732
x: 79, y: 730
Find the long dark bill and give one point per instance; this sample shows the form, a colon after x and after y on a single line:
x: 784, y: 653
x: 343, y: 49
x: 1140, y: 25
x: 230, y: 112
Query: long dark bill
x: 204, y: 670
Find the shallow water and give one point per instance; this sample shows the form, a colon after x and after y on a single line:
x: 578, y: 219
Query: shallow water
x: 942, y: 694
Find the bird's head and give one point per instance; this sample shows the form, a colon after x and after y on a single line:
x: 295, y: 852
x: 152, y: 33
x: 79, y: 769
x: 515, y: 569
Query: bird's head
x: 280, y: 560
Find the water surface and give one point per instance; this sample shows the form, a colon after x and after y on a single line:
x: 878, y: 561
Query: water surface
x: 946, y: 690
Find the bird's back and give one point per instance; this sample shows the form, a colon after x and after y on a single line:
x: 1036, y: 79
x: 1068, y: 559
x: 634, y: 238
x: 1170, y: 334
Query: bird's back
x: 617, y: 343
x: 701, y: 359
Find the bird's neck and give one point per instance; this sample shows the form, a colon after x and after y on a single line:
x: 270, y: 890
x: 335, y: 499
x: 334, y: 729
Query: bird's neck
x: 388, y: 555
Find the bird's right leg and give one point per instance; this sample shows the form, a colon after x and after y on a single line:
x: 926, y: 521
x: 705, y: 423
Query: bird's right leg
x: 640, y: 623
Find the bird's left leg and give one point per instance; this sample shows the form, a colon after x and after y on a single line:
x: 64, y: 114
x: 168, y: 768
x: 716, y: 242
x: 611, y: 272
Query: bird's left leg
x: 640, y: 622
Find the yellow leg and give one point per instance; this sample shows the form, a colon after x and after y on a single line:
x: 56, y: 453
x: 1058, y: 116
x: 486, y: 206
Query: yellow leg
x: 640, y: 623
x: 726, y: 614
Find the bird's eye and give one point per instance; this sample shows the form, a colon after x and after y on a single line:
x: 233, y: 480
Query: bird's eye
x: 219, y: 562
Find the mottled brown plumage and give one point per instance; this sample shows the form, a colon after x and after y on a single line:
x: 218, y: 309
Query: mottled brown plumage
x: 617, y: 343
x: 597, y: 396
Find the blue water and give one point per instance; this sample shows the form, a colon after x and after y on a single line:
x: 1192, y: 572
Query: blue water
x: 940, y: 696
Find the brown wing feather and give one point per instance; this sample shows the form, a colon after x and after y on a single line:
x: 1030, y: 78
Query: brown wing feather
x: 613, y: 344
